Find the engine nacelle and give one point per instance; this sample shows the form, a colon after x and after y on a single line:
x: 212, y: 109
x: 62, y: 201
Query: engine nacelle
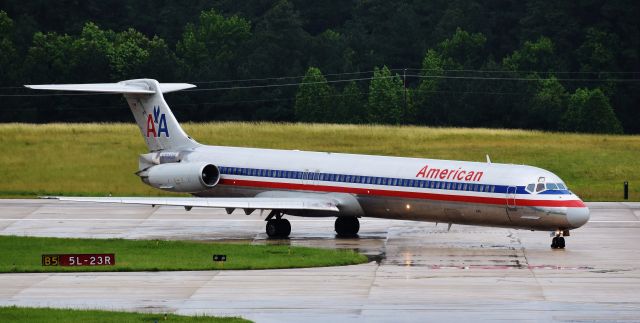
x: 182, y: 177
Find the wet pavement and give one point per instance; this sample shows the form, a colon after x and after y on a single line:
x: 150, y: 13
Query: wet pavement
x: 419, y: 271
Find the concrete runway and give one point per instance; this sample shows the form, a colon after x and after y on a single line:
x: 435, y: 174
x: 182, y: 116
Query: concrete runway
x: 423, y: 272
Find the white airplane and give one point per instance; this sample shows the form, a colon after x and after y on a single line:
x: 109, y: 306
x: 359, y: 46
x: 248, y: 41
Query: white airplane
x: 325, y: 184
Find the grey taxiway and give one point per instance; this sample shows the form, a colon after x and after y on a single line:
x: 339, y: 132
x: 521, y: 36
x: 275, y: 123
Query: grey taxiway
x: 419, y: 271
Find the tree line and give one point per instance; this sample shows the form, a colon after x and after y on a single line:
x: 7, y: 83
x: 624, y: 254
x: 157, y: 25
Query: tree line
x: 548, y: 65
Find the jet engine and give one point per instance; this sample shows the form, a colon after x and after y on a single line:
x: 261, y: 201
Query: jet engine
x: 181, y: 177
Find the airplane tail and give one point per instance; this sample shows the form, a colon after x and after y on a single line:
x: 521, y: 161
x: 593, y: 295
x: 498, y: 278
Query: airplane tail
x: 158, y: 125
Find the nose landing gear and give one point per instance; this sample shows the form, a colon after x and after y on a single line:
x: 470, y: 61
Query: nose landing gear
x: 558, y: 239
x: 557, y: 243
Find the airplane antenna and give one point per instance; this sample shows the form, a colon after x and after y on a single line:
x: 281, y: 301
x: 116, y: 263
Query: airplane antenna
x: 488, y: 159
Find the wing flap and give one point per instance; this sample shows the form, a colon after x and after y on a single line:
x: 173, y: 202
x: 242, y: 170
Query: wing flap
x: 256, y: 203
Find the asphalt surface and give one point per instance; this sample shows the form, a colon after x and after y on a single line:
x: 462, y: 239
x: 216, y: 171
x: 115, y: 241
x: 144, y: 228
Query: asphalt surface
x: 419, y: 271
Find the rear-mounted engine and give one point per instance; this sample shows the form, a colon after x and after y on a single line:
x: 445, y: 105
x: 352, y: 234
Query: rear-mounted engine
x: 182, y: 177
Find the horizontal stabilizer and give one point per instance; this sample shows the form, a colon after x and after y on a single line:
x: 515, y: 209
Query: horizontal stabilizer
x: 266, y: 203
x: 132, y: 87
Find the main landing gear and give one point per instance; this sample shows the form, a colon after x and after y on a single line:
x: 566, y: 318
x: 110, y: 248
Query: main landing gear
x: 347, y: 226
x: 558, y: 239
x: 278, y: 227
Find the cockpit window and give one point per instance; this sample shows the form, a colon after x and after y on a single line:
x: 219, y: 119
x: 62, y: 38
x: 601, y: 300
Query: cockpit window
x: 540, y: 187
x: 552, y: 186
x: 531, y: 188
x: 561, y: 186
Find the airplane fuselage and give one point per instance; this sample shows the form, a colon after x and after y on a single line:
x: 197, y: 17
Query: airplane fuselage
x: 489, y: 194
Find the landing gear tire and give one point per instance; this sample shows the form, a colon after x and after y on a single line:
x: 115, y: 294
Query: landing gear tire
x: 557, y: 243
x: 278, y: 228
x: 347, y: 226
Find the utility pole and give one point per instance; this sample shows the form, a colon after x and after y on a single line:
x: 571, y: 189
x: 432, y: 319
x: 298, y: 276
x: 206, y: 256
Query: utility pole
x: 404, y: 82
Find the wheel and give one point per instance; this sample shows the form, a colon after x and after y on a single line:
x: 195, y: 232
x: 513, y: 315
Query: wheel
x: 554, y: 243
x: 560, y: 242
x: 278, y: 228
x: 347, y: 226
x: 285, y: 228
x: 272, y: 228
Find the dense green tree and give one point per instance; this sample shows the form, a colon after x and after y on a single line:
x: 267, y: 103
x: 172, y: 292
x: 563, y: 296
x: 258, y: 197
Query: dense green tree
x: 8, y: 53
x: 314, y: 101
x: 533, y: 56
x: 386, y: 102
x: 351, y: 108
x: 589, y: 111
x: 134, y: 54
x: 548, y: 103
x: 210, y: 48
x: 458, y: 98
x: 501, y: 63
x: 51, y: 58
x: 426, y: 95
x: 331, y: 50
x: 464, y: 49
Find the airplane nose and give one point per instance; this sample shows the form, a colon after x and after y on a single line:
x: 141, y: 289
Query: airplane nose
x: 577, y: 216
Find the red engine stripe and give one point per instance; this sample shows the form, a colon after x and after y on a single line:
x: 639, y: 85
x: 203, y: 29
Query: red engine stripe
x: 403, y: 194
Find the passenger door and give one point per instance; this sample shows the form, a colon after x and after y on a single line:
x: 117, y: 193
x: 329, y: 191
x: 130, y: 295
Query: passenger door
x: 511, y: 197
x: 512, y: 209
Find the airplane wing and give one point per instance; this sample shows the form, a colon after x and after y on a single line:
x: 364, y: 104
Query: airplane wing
x: 231, y: 203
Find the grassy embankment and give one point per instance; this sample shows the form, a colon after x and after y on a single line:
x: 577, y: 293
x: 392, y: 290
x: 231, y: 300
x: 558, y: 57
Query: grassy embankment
x: 23, y: 254
x: 100, y: 159
x: 44, y: 315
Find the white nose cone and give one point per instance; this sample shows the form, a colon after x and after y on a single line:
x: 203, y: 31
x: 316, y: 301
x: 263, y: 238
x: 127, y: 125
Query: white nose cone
x: 577, y: 216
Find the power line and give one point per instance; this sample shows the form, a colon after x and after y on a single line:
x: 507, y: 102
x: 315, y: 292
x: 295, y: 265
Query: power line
x: 519, y: 71
x: 260, y: 100
x: 230, y: 88
x: 284, y: 85
x: 524, y: 78
x: 280, y: 78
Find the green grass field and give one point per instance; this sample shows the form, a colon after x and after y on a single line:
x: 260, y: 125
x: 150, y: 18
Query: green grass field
x: 23, y: 254
x: 100, y: 159
x: 44, y: 315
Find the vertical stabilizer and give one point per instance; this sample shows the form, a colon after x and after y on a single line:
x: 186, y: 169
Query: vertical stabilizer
x: 157, y: 124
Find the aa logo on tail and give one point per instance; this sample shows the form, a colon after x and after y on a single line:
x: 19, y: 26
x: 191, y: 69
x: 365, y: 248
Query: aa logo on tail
x: 158, y: 119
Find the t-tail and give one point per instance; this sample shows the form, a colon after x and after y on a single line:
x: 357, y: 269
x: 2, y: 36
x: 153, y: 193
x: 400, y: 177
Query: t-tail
x: 158, y: 125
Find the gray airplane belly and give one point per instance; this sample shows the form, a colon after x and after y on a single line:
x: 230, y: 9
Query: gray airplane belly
x: 427, y: 210
x: 460, y: 213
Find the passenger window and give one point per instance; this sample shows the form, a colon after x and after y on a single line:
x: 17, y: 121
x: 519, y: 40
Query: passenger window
x: 540, y: 187
x: 493, y: 188
x: 464, y: 187
x: 551, y: 186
